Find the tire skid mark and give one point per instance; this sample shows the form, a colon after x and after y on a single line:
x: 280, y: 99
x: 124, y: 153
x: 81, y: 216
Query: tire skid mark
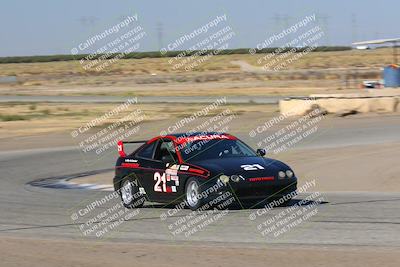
x: 66, y: 182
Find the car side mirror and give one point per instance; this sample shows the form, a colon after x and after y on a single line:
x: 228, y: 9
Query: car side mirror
x: 261, y: 152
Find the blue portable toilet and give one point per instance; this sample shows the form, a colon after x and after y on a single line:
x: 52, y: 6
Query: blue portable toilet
x: 391, y: 75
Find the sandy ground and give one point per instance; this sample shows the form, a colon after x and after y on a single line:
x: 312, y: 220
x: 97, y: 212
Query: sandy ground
x: 372, y: 168
x: 43, y: 253
x: 255, y: 88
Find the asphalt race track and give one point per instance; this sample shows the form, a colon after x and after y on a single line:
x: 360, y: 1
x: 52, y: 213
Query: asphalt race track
x: 343, y: 218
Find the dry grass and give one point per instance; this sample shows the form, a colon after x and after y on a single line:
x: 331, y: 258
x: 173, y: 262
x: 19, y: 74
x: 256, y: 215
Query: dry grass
x: 217, y: 76
x: 61, y: 117
x: 352, y: 58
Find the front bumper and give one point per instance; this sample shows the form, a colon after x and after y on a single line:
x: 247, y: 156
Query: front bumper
x: 245, y: 190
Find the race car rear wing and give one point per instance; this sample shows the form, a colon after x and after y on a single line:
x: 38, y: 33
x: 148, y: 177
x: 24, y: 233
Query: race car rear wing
x: 121, y: 143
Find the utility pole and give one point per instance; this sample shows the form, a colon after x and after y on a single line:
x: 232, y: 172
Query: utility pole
x: 160, y: 34
x: 286, y: 22
x: 324, y: 20
x: 354, y: 27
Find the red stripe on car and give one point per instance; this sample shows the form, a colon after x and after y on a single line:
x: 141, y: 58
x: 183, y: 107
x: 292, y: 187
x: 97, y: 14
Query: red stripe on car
x: 260, y: 179
x: 129, y: 165
x: 196, y: 170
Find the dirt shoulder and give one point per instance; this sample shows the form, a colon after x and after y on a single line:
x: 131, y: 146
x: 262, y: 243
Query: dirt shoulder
x: 43, y: 253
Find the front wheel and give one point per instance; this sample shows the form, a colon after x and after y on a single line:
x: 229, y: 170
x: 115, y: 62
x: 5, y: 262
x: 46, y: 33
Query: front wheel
x: 130, y: 194
x: 192, y: 190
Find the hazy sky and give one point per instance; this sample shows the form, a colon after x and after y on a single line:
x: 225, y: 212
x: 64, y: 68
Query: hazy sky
x: 42, y: 27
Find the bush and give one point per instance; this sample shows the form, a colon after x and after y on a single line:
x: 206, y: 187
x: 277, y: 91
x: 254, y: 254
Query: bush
x: 155, y: 54
x: 12, y: 117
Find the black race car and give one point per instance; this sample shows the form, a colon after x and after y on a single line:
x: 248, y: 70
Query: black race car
x: 194, y: 168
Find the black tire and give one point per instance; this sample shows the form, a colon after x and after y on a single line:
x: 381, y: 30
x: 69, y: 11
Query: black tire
x: 130, y: 187
x: 191, y: 194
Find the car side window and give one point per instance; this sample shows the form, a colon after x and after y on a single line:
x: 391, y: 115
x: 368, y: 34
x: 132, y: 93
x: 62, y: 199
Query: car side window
x: 147, y: 151
x: 165, y: 151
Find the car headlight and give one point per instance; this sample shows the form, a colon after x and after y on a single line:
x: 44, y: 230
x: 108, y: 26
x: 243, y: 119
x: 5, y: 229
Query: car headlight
x: 289, y: 173
x: 235, y: 178
x: 281, y: 174
x: 224, y: 179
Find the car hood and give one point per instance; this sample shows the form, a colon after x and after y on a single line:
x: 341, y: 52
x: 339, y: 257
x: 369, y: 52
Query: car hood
x: 248, y: 167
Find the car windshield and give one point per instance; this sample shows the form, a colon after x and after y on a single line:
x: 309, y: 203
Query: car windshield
x: 214, y: 149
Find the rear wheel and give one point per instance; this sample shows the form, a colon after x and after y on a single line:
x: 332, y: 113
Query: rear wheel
x: 192, y: 191
x: 130, y: 194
